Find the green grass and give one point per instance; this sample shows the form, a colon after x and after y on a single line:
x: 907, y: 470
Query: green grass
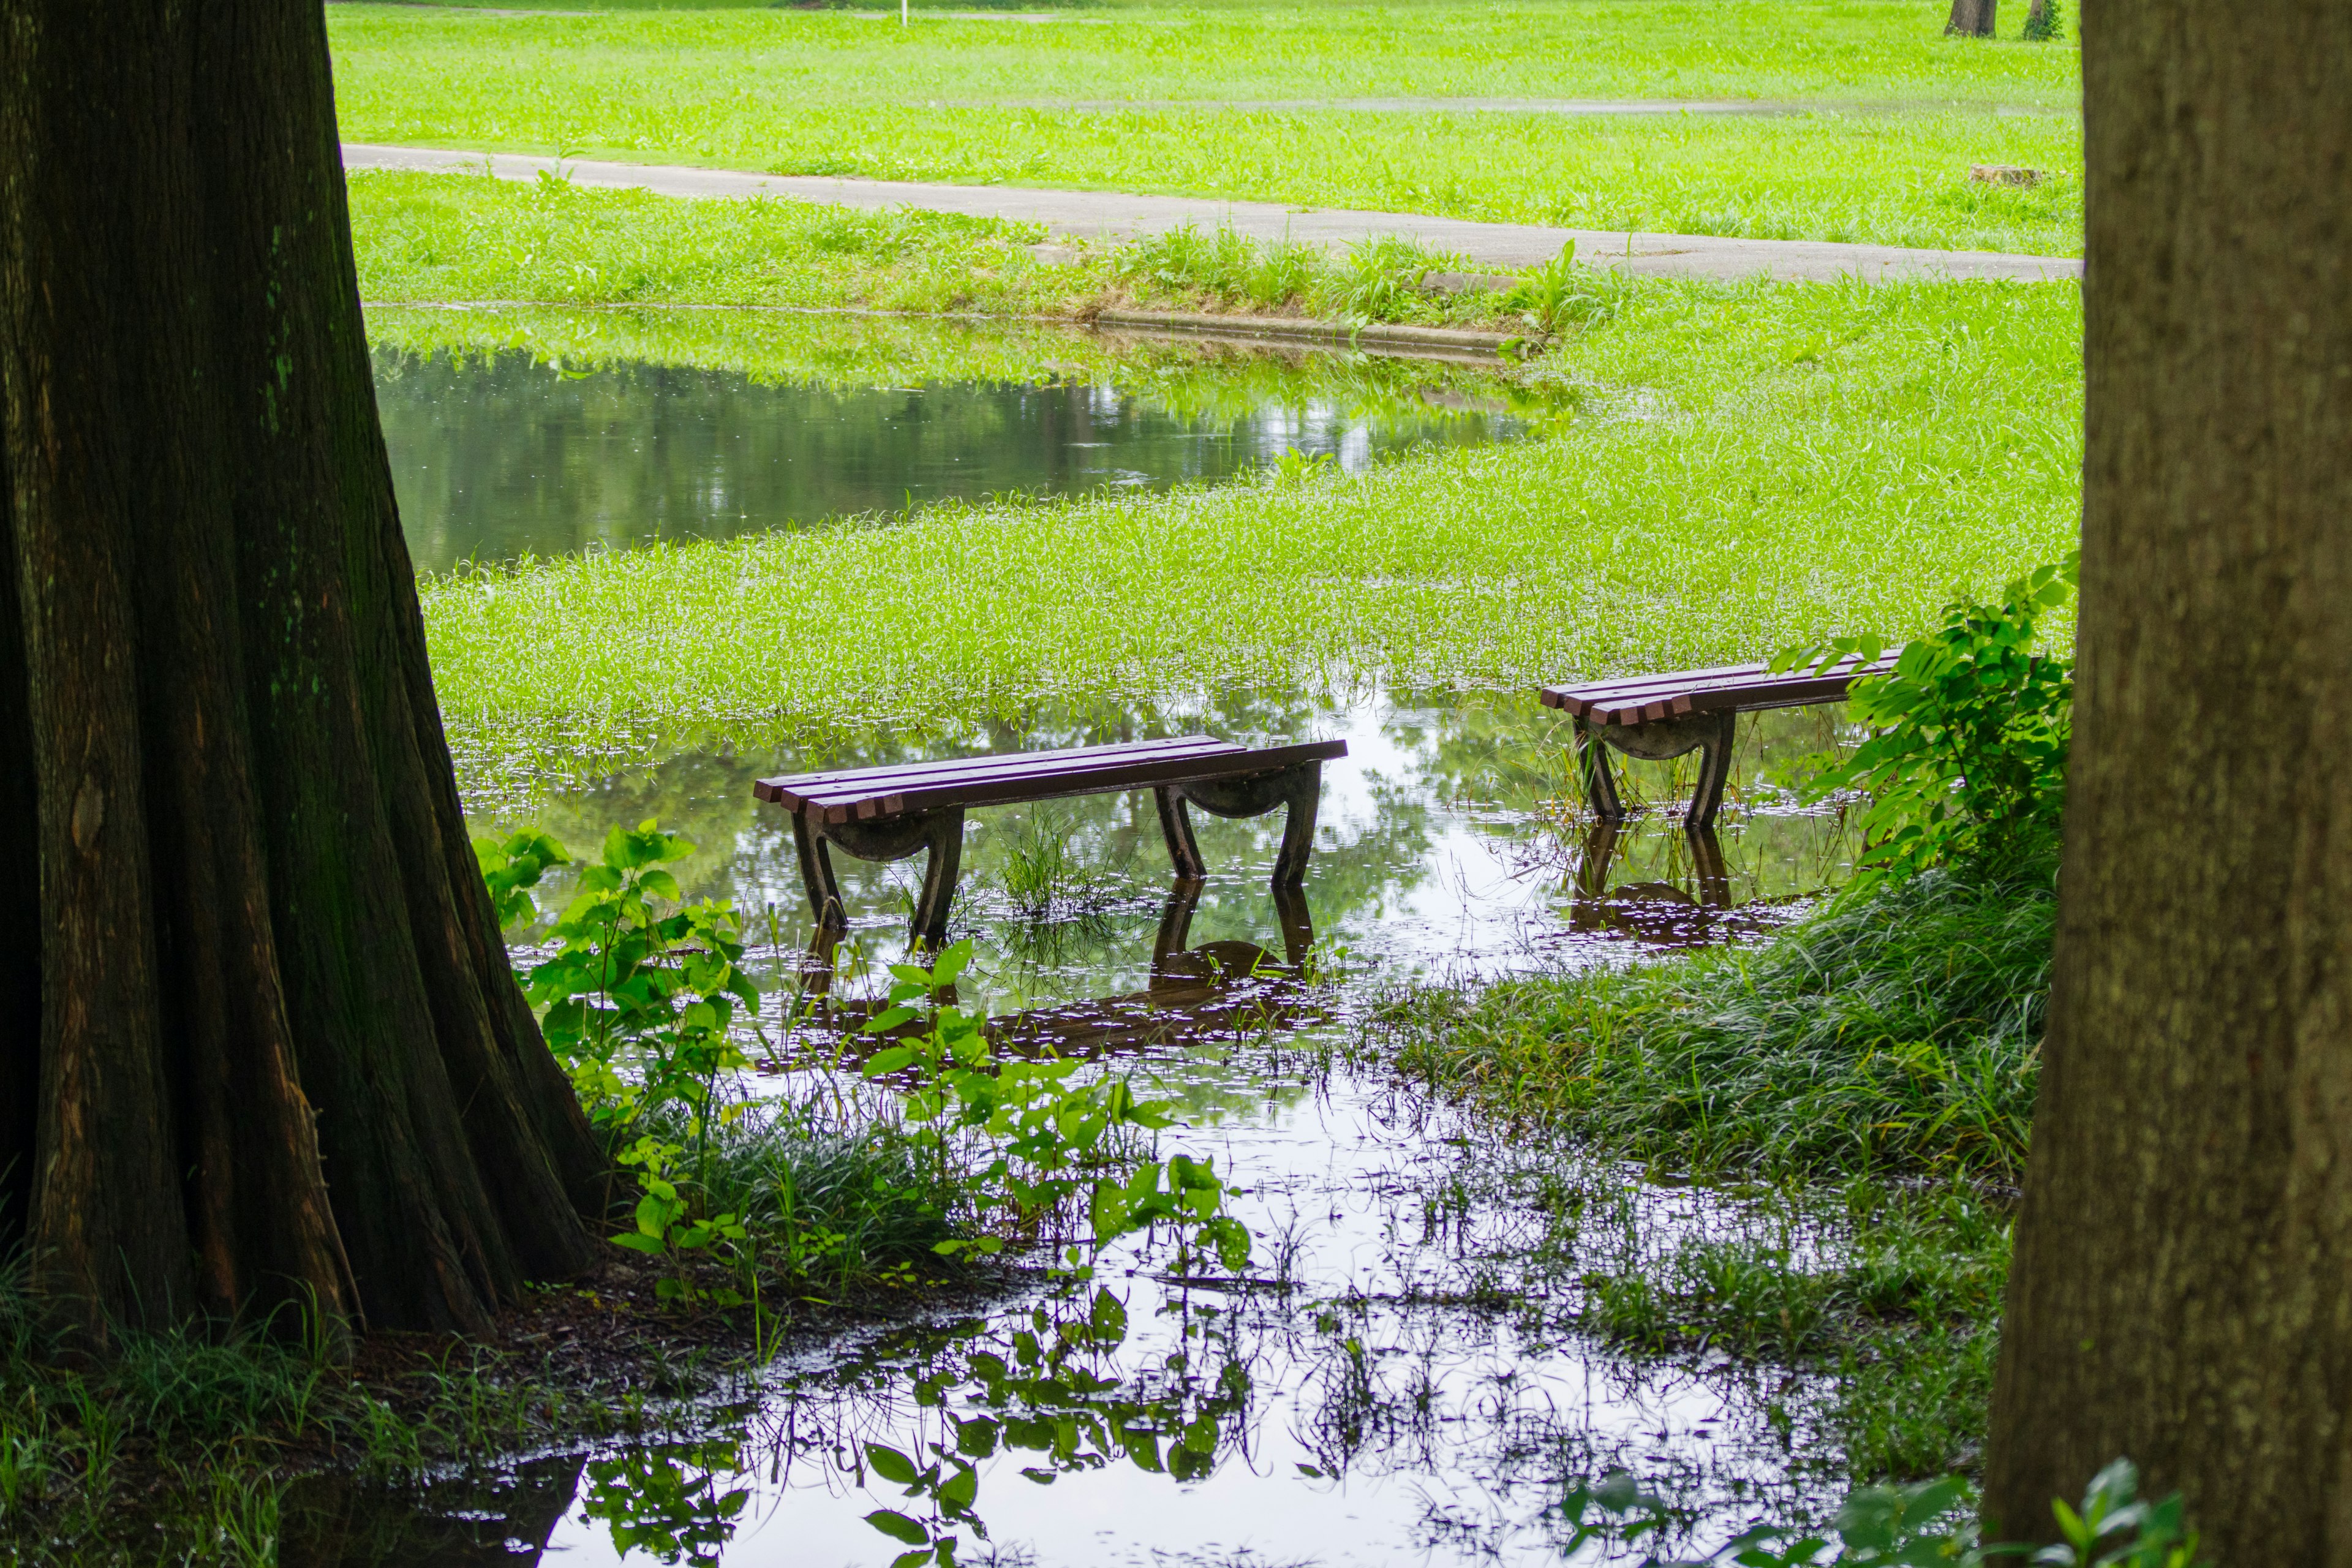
x: 1190, y: 376
x: 1129, y: 106
x: 1840, y: 51
x: 1896, y: 1033
x: 1876, y: 1064
x: 1896, y: 1293
x: 465, y: 238
x: 1757, y: 465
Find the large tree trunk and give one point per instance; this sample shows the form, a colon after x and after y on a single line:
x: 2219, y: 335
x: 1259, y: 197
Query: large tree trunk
x: 1972, y: 18
x: 2182, y: 1289
x: 262, y: 1046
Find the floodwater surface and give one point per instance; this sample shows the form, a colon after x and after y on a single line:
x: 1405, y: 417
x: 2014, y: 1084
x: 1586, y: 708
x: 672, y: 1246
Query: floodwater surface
x: 1398, y: 1376
x: 497, y: 455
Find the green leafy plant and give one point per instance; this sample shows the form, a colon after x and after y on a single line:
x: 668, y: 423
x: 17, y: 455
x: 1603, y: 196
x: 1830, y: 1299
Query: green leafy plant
x: 641, y: 998
x: 1559, y: 294
x: 2114, y: 1530
x: 1028, y: 1137
x: 639, y: 1002
x: 1966, y: 760
x: 2044, y: 22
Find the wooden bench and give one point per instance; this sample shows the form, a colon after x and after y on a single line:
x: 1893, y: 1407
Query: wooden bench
x: 1657, y: 717
x: 889, y: 813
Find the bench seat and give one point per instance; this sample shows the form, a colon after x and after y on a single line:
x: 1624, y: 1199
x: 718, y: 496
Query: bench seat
x: 889, y: 813
x: 1656, y: 717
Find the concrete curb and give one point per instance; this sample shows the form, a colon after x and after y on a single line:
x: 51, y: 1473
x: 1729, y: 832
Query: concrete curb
x: 1378, y: 335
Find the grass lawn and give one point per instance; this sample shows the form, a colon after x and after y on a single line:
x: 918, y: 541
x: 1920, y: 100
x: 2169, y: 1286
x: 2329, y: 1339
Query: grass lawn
x: 1753, y: 465
x: 463, y: 238
x: 1893, y: 113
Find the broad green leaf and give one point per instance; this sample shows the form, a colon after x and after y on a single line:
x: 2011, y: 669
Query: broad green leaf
x: 899, y: 1527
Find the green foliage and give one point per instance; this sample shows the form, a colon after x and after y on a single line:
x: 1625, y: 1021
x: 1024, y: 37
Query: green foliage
x: 1560, y: 294
x: 1378, y: 280
x: 1927, y: 1524
x: 1898, y: 1031
x: 1967, y: 759
x: 640, y: 1000
x: 2113, y: 1529
x: 1027, y: 1138
x: 2048, y: 23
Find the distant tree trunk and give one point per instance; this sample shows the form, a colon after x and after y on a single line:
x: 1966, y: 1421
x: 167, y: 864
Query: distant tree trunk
x: 1972, y: 18
x: 260, y: 1044
x: 2182, y: 1287
x: 2041, y: 24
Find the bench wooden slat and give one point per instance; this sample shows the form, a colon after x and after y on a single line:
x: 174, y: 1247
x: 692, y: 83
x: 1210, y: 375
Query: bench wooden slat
x: 1561, y: 696
x: 1739, y: 688
x: 857, y: 783
x: 1037, y: 775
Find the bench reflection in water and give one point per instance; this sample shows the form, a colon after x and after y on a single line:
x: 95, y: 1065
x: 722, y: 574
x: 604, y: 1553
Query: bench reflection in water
x: 1694, y: 909
x: 1218, y: 990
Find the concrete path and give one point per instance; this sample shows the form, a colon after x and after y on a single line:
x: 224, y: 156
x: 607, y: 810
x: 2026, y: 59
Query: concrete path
x: 1596, y: 108
x: 1108, y: 215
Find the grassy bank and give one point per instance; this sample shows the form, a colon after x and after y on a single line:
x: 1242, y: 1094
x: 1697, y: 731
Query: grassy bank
x: 1271, y: 105
x: 1867, y: 1074
x: 184, y: 1444
x: 1892, y: 1035
x: 469, y: 239
x: 1754, y: 464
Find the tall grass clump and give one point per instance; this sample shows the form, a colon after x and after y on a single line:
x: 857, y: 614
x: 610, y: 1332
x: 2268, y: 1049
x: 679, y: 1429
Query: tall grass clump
x: 1897, y: 1032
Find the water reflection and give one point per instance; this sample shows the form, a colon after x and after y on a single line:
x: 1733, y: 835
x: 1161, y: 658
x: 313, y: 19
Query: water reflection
x: 498, y: 454
x: 1451, y: 844
x: 1218, y: 989
x: 1400, y: 1375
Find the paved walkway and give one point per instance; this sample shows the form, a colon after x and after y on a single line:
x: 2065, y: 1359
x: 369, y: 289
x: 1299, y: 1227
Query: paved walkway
x: 1102, y: 214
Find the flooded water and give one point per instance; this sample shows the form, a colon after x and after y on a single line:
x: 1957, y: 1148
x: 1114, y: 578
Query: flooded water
x: 505, y: 453
x: 1397, y: 1377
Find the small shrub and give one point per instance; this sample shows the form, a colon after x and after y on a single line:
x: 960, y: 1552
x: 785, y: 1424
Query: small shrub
x: 1966, y: 764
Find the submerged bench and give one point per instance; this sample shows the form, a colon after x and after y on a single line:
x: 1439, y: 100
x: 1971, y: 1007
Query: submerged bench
x: 1657, y: 717
x: 889, y: 813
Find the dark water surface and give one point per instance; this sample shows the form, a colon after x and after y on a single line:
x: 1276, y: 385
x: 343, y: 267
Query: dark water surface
x: 501, y: 454
x: 1399, y: 1380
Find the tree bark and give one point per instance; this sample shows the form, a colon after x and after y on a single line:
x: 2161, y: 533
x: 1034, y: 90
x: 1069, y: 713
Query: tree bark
x: 1971, y: 18
x: 276, y: 1053
x: 2182, y: 1285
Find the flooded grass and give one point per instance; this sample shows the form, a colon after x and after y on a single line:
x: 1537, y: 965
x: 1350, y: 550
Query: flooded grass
x: 1900, y: 112
x: 1897, y: 1033
x: 1769, y: 464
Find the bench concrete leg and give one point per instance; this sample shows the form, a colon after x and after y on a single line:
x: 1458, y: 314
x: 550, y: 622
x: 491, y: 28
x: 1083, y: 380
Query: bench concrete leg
x: 940, y: 832
x: 1600, y: 780
x: 1709, y: 735
x: 1714, y: 773
x: 816, y: 876
x: 1183, y: 851
x: 1299, y: 790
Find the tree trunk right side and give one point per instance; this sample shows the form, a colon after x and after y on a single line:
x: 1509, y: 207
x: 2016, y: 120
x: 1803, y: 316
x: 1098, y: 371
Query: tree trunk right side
x: 2181, y: 1290
x: 1971, y: 18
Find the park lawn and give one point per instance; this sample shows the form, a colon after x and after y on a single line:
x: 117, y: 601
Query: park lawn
x: 448, y: 238
x: 1255, y: 104
x: 1754, y: 464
